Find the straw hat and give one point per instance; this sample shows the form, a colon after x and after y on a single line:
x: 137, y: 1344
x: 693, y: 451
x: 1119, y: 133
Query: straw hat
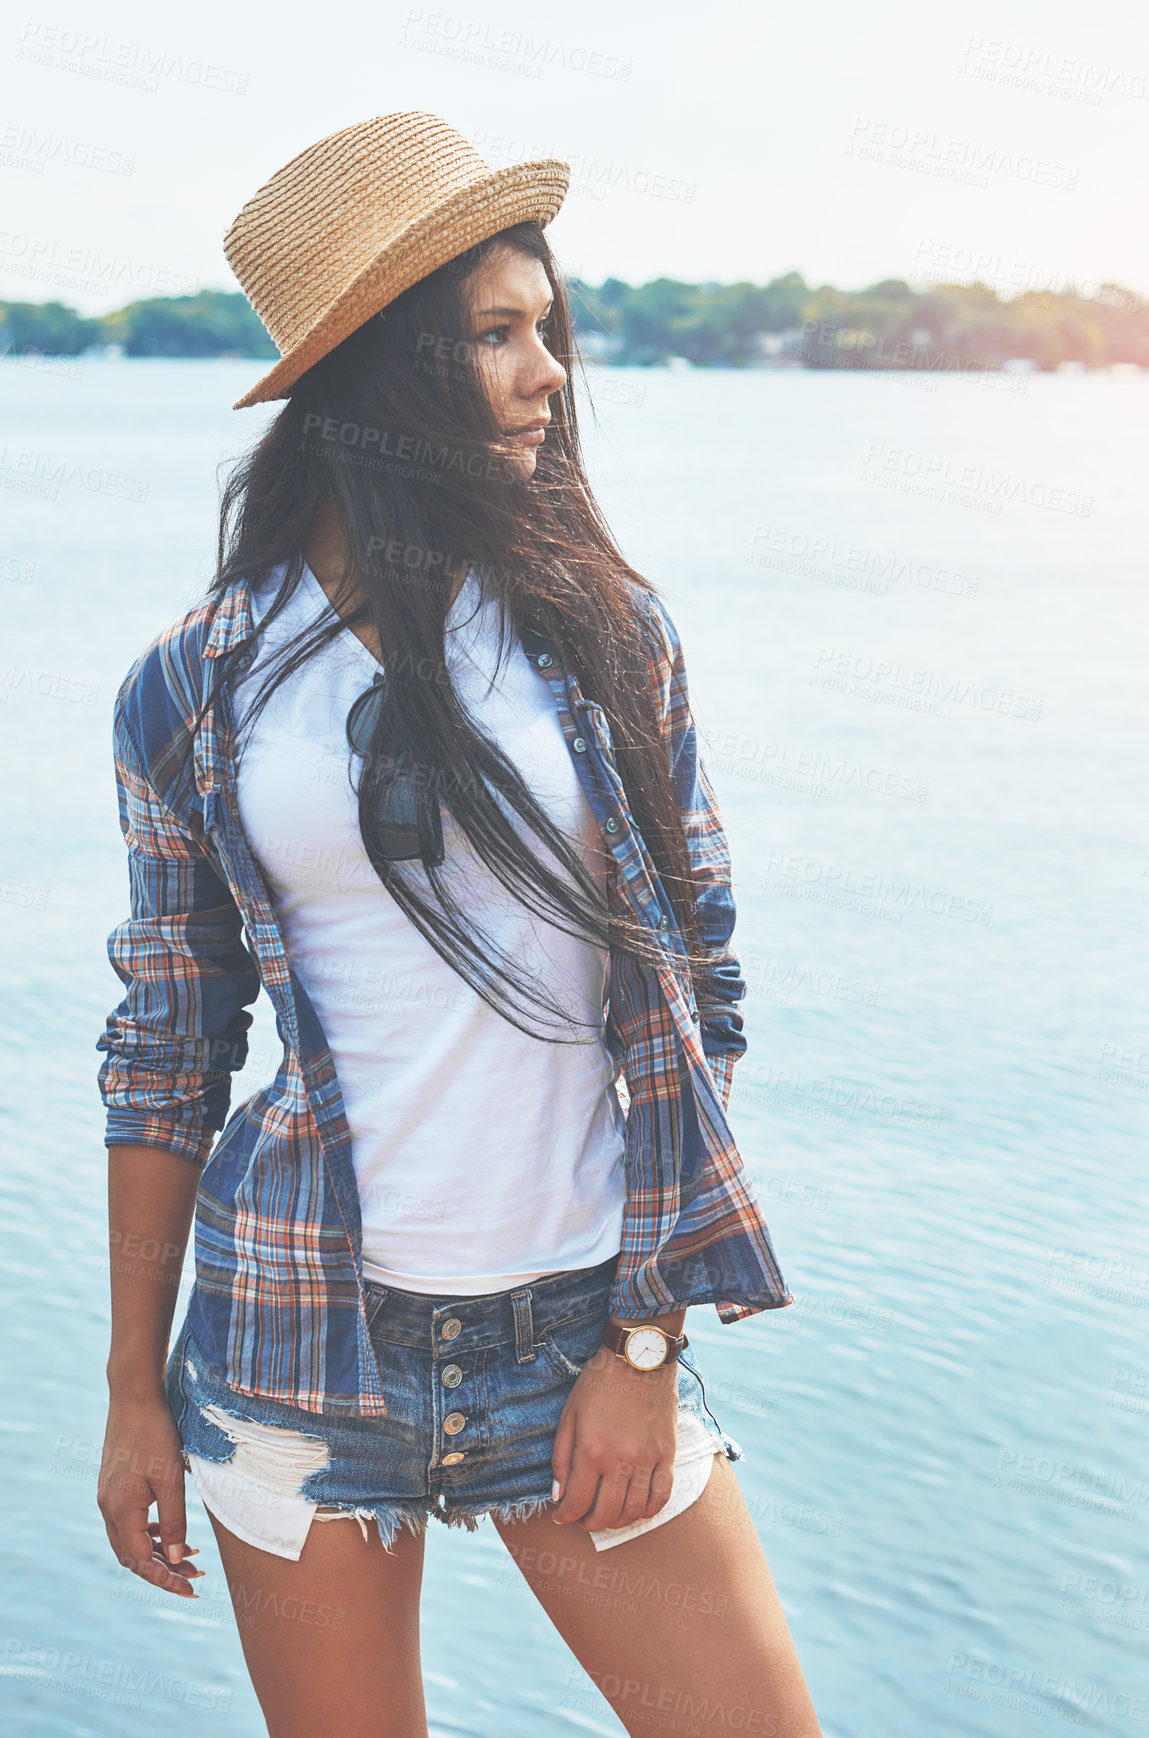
x: 358, y: 218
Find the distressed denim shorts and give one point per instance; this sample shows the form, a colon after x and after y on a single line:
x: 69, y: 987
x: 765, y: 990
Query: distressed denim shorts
x: 474, y: 1389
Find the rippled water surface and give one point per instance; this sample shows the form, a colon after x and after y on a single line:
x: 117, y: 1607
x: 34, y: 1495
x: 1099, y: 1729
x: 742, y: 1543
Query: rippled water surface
x: 913, y: 613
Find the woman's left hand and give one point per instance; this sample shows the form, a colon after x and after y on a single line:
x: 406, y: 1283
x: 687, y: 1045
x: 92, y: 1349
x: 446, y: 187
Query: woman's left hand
x: 613, y: 1456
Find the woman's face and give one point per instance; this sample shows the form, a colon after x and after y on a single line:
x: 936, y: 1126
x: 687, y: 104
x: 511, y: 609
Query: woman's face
x: 508, y: 300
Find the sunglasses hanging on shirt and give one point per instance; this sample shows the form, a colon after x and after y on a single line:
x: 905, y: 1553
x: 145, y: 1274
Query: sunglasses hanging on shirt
x: 402, y: 819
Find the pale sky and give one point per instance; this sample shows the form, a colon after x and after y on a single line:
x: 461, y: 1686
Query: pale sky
x: 850, y: 143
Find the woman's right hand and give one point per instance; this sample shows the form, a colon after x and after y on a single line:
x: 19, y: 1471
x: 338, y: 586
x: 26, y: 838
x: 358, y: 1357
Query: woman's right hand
x: 142, y: 1464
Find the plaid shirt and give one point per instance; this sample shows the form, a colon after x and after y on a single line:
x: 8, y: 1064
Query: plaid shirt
x: 277, y: 1307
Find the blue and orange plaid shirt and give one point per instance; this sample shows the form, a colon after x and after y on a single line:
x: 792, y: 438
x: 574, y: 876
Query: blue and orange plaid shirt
x: 277, y: 1307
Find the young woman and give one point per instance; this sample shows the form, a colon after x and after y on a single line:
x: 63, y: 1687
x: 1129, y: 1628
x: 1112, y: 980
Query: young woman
x: 422, y: 768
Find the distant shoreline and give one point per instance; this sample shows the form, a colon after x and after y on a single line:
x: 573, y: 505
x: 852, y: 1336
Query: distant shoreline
x: 1008, y: 378
x: 957, y: 329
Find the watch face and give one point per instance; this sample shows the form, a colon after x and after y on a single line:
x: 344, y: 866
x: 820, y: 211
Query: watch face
x: 646, y: 1348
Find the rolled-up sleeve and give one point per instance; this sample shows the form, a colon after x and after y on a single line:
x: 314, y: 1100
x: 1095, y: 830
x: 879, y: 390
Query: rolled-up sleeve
x: 720, y: 1020
x: 180, y: 1032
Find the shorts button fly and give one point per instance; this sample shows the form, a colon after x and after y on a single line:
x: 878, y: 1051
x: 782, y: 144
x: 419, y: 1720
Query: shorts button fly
x: 452, y: 1376
x: 453, y: 1459
x: 452, y: 1328
x: 453, y: 1423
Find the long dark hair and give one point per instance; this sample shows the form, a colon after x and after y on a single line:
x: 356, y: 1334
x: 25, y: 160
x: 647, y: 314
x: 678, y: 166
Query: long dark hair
x: 391, y: 438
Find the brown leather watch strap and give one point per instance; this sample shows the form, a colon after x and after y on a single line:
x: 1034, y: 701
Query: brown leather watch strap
x: 614, y: 1338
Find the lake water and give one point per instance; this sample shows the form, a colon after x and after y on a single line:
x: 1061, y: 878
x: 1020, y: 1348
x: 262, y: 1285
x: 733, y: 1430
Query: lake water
x: 913, y: 613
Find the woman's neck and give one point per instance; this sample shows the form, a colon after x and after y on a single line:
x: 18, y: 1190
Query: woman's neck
x: 325, y: 555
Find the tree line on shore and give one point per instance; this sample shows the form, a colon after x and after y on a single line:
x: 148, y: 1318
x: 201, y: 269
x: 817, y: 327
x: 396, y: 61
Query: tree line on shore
x: 783, y: 323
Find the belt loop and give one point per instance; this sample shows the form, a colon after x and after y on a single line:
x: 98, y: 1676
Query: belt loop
x: 524, y: 1326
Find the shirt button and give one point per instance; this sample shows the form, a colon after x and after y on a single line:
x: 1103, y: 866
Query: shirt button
x: 579, y: 745
x: 612, y: 825
x: 451, y: 1376
x: 664, y: 923
x: 453, y: 1423
x: 452, y: 1328
x: 545, y: 660
x: 453, y: 1459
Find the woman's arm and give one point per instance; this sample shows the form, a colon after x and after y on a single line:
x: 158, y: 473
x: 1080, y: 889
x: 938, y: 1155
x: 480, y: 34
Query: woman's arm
x: 151, y: 1197
x: 170, y: 1048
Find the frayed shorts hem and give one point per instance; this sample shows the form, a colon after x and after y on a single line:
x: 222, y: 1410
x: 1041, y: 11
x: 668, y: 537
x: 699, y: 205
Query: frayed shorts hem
x: 241, y: 1506
x: 390, y: 1517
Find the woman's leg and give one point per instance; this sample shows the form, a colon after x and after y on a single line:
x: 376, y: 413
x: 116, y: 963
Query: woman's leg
x: 332, y: 1642
x: 683, y: 1622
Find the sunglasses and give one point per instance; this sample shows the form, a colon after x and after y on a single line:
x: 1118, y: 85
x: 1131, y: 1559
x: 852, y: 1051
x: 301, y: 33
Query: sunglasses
x: 404, y: 821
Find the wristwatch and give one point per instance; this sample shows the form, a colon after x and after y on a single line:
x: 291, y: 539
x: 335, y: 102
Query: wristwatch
x: 643, y: 1348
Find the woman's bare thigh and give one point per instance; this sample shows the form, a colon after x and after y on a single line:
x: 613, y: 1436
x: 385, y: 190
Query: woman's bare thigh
x: 332, y: 1641
x: 684, y: 1622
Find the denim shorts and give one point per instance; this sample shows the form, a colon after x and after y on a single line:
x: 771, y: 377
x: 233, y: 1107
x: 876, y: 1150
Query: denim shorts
x: 474, y: 1389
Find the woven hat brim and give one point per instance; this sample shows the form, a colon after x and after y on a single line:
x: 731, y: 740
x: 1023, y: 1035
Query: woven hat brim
x: 522, y: 193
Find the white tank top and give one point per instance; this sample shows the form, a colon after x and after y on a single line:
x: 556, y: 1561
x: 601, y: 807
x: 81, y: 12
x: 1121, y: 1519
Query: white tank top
x: 484, y: 1158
